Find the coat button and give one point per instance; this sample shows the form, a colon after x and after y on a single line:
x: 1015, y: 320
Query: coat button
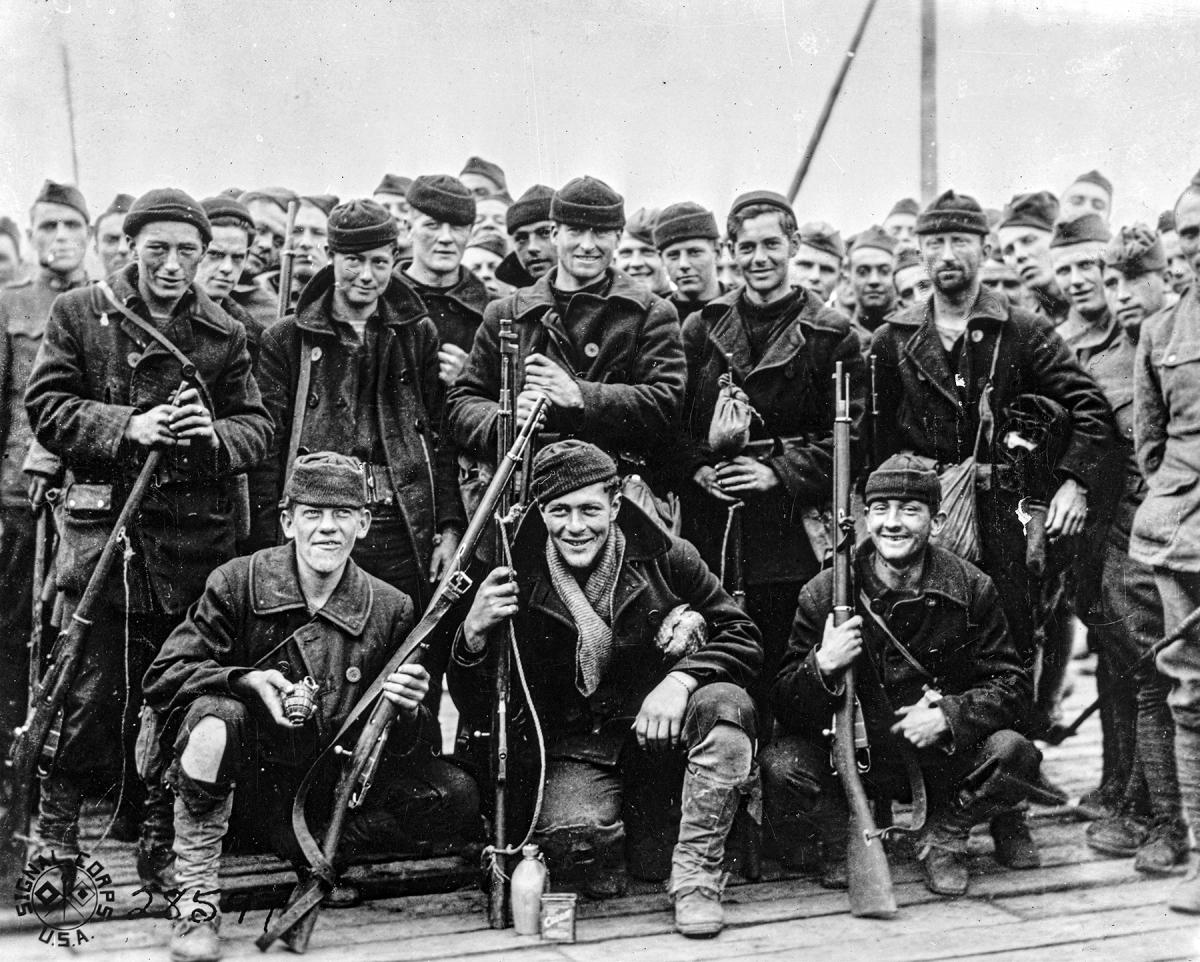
x: 591, y: 349
x: 1171, y: 358
x: 132, y: 358
x: 314, y: 399
x: 315, y: 354
x: 977, y: 336
x: 353, y: 674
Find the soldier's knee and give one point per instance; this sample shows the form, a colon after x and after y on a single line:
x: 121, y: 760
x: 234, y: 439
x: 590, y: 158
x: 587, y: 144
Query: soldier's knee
x: 210, y: 737
x: 725, y: 754
x: 1014, y: 751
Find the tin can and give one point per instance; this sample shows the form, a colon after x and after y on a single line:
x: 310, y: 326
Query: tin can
x: 558, y: 916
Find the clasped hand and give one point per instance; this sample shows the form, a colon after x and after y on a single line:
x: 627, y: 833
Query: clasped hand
x: 184, y: 421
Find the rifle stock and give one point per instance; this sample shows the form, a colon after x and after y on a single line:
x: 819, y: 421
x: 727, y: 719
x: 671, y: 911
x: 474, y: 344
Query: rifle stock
x: 870, y: 879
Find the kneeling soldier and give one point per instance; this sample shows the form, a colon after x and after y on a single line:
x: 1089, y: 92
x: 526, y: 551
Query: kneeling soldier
x: 264, y: 624
x: 938, y: 677
x: 595, y: 582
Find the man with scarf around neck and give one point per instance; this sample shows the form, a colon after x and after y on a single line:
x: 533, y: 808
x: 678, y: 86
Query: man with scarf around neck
x: 635, y: 697
x: 780, y: 346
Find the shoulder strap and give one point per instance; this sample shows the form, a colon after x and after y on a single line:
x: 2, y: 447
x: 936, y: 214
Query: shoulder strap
x: 907, y: 655
x: 299, y: 406
x: 189, y: 369
x: 986, y: 417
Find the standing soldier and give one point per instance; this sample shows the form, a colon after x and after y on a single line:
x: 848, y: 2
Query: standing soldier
x: 1090, y: 193
x: 687, y: 240
x: 268, y: 209
x: 224, y: 260
x: 112, y: 246
x: 1025, y: 231
x: 901, y: 223
x: 103, y: 394
x: 532, y: 233
x: 779, y: 345
x: 10, y: 251
x: 818, y: 261
x: 392, y: 196
x: 871, y: 255
x: 638, y: 257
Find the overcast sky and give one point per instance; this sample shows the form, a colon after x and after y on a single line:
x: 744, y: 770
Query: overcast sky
x: 665, y: 99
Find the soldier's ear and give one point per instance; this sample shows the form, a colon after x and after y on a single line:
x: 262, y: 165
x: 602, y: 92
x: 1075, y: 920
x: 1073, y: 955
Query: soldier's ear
x: 364, y: 523
x: 936, y: 523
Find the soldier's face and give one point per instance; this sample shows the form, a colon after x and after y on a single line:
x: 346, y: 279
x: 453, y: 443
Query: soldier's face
x: 1187, y: 226
x: 952, y: 260
x: 816, y: 271
x: 692, y: 266
x: 483, y: 263
x: 579, y: 523
x: 1132, y: 299
x: 900, y: 530
x: 641, y: 261
x: 479, y: 185
x: 1082, y: 198
x: 436, y: 245
x: 584, y: 252
x: 1079, y: 272
x: 324, y: 536
x: 59, y: 235
x: 912, y: 284
x: 10, y: 260
x: 361, y: 278
x: 729, y: 273
x: 871, y: 275
x: 222, y: 263
x: 309, y: 238
x: 1027, y: 251
x: 270, y: 225
x: 1179, y: 272
x: 1003, y: 280
x: 168, y: 254
x: 764, y: 252
x: 112, y: 245
x: 535, y: 249
x: 491, y: 214
x: 397, y: 206
x: 903, y: 227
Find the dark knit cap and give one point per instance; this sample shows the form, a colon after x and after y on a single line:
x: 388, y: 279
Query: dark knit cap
x: 281, y: 197
x: 326, y: 480
x: 323, y: 202
x: 9, y: 228
x: 905, y: 257
x: 485, y: 168
x: 684, y: 221
x: 567, y: 466
x: 641, y: 225
x: 823, y: 237
x: 588, y: 202
x: 768, y: 198
x: 444, y: 198
x: 1038, y: 210
x: 167, y: 203
x: 874, y: 236
x: 1097, y: 178
x: 120, y: 205
x: 530, y: 208
x: 903, y: 477
x: 489, y: 241
x: 361, y: 225
x: 394, y: 184
x: 66, y: 194
x: 227, y: 208
x: 952, y: 213
x: 1135, y: 250
x: 1090, y: 228
x: 1166, y: 221
x: 906, y: 205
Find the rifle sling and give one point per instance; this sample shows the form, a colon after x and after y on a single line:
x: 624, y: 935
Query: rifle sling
x: 299, y: 406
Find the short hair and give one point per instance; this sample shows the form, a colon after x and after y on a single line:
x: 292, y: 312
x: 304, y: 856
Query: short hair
x: 233, y: 222
x: 733, y: 225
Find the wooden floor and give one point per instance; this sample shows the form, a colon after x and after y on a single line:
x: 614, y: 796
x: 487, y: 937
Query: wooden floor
x: 1078, y: 906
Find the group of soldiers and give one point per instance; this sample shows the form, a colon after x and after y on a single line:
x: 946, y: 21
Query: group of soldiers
x: 329, y: 407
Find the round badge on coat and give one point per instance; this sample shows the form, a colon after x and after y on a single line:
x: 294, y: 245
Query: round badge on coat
x: 977, y: 336
x: 132, y: 358
x: 353, y: 674
x: 315, y: 354
x: 591, y: 349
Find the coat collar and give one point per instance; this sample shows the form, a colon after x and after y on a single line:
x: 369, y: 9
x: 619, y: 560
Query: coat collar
x: 53, y: 281
x: 468, y: 291
x: 944, y: 575
x: 512, y: 272
x: 194, y: 303
x: 314, y: 310
x: 1082, y: 335
x: 275, y: 587
x: 540, y: 297
x: 987, y: 307
x: 726, y: 331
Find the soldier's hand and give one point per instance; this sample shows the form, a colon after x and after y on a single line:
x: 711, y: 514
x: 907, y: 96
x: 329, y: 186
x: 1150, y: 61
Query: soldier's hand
x: 840, y: 645
x: 192, y: 421
x: 269, y: 687
x: 407, y: 687
x: 495, y: 600
x: 659, y: 722
x: 525, y: 403
x: 742, y: 474
x: 452, y: 360
x: 706, y: 479
x: 443, y: 553
x: 922, y: 724
x: 542, y: 374
x: 152, y: 427
x: 1067, y: 511
x: 38, y: 485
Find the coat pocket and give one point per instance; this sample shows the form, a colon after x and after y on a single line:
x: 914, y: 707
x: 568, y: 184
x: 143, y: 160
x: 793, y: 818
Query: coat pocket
x: 85, y: 521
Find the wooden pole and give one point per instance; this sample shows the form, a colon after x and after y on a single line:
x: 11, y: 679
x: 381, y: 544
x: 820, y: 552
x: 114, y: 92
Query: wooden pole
x: 66, y: 66
x: 815, y: 139
x: 929, y: 171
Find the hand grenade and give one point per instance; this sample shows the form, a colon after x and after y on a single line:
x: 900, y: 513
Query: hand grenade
x: 300, y: 703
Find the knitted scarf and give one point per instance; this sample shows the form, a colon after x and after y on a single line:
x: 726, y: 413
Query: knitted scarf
x: 591, y: 607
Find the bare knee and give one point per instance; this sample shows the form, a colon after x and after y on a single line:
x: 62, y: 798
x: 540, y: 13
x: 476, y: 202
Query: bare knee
x: 205, y: 750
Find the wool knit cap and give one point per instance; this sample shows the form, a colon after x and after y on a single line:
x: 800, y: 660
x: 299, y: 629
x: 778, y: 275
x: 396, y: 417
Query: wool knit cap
x: 323, y: 202
x: 1135, y: 250
x: 823, y: 237
x: 953, y: 213
x: 641, y: 225
x: 905, y: 258
x: 567, y: 466
x: 1090, y: 228
x: 906, y: 205
x: 120, y: 205
x: 1038, y: 210
x: 1097, y: 178
x: 394, y: 184
x: 444, y: 198
x: 903, y: 477
x: 1166, y: 221
x: 228, y: 208
x: 361, y: 225
x: 531, y: 207
x: 874, y: 236
x: 684, y: 221
x: 766, y: 198
x: 66, y: 194
x: 489, y: 241
x: 326, y: 480
x: 281, y: 197
x: 485, y: 168
x: 167, y: 203
x: 9, y: 228
x: 588, y: 202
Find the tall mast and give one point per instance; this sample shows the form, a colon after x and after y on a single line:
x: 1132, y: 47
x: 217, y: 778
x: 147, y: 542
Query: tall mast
x: 929, y: 171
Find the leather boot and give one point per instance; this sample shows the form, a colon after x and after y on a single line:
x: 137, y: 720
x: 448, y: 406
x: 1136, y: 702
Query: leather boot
x: 201, y: 822
x: 155, y: 853
x: 943, y: 854
x: 1014, y: 845
x: 708, y: 811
